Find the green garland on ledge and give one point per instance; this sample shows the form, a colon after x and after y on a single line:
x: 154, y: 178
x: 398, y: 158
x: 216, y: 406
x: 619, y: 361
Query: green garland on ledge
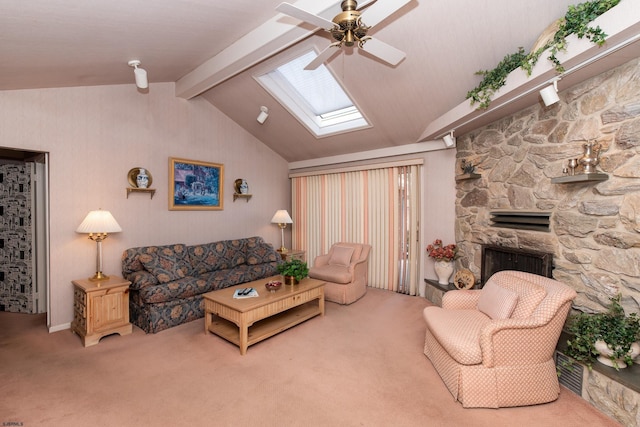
x: 576, y: 21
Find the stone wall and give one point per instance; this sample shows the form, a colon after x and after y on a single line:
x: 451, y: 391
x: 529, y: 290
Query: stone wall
x: 595, y: 226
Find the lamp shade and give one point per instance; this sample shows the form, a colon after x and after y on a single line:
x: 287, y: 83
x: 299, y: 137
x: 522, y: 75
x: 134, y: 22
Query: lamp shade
x: 99, y: 222
x: 281, y: 217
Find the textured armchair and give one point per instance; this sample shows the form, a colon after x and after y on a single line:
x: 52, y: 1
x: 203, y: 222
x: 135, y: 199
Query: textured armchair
x: 344, y: 269
x: 494, y: 347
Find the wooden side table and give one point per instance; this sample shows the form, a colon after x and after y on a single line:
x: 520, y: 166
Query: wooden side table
x: 100, y: 308
x: 294, y: 254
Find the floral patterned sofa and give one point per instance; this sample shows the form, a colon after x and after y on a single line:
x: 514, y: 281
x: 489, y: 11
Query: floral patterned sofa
x: 167, y: 282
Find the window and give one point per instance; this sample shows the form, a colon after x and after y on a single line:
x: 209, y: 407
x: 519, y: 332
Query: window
x: 314, y: 97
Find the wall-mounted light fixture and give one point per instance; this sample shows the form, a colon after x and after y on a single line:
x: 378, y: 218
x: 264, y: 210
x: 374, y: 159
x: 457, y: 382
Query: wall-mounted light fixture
x: 449, y: 140
x: 140, y: 74
x: 549, y: 94
x: 264, y: 114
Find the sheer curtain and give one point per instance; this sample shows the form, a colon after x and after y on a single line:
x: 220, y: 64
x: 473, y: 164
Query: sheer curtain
x: 378, y: 205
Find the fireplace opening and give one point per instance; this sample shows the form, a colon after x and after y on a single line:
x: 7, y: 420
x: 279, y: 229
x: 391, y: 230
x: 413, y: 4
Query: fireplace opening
x: 499, y: 258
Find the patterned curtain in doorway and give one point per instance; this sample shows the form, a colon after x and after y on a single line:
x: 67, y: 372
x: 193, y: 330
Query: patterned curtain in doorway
x: 378, y: 206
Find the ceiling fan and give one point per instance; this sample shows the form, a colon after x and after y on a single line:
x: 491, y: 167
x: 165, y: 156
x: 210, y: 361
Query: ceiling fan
x: 351, y: 27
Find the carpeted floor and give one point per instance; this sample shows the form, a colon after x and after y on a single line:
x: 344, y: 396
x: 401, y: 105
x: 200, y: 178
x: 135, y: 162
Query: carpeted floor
x: 360, y: 365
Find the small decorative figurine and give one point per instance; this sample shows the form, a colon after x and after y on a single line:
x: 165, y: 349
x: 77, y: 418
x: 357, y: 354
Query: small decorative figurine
x: 467, y: 168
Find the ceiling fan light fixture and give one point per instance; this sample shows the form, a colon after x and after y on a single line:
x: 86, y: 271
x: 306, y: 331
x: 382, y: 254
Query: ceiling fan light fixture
x: 348, y: 28
x: 140, y: 74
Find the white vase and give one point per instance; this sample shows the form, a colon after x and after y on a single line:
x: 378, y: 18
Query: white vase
x: 444, y: 270
x: 244, y: 187
x: 606, y: 352
x: 142, y: 180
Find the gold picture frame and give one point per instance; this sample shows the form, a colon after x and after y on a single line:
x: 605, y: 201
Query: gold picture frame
x: 195, y: 185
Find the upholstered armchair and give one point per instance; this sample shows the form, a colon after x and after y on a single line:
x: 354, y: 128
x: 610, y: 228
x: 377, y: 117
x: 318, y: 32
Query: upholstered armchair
x: 494, y: 347
x: 344, y: 269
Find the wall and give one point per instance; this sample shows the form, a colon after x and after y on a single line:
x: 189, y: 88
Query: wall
x: 594, y: 231
x: 438, y: 202
x: 95, y: 135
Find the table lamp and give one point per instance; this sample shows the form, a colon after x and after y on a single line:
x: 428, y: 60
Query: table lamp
x: 98, y: 224
x: 282, y: 218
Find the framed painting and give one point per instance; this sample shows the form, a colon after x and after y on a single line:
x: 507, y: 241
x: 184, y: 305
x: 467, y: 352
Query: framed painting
x: 195, y: 185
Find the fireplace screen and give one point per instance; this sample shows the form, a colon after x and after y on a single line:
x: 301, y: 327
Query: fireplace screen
x: 498, y: 258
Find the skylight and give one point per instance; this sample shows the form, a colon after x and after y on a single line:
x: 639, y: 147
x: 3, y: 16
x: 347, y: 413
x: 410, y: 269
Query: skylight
x: 314, y: 97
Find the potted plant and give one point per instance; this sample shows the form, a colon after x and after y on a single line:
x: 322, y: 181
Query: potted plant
x: 293, y: 271
x: 610, y: 337
x: 576, y: 21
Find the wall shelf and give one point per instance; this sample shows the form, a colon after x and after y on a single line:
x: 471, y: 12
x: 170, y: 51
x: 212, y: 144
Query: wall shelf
x: 150, y: 191
x: 583, y: 177
x: 466, y: 176
x: 241, y: 196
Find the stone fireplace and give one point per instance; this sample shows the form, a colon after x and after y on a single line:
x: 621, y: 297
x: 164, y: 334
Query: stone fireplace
x: 594, y: 226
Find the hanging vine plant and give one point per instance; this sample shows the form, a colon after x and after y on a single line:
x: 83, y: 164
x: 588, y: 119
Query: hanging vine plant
x: 576, y: 21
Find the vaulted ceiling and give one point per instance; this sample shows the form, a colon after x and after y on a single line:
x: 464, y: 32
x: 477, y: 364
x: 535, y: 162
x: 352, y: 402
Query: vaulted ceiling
x: 214, y: 48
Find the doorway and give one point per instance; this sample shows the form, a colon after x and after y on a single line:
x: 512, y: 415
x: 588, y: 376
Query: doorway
x: 24, y: 236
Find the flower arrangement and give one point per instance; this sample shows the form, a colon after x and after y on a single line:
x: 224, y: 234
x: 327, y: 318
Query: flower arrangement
x: 442, y: 253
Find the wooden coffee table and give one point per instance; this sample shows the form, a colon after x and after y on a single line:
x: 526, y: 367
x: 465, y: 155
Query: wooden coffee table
x: 247, y: 321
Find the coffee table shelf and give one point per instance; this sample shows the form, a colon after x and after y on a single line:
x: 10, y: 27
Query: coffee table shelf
x: 247, y: 321
x: 265, y: 328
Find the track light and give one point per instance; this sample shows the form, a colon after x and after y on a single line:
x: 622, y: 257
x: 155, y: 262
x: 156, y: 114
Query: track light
x: 264, y: 114
x: 550, y: 94
x: 140, y: 74
x: 449, y: 140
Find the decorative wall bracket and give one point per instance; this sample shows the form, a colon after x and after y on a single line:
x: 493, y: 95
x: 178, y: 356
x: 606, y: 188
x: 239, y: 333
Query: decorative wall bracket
x: 150, y: 191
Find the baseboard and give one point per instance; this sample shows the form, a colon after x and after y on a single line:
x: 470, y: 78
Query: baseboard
x: 57, y: 328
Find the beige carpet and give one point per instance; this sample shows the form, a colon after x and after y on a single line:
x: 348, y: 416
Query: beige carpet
x: 360, y: 365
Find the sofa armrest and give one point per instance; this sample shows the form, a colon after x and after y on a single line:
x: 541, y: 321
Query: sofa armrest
x: 321, y: 260
x: 521, y: 341
x: 141, y: 279
x: 359, y: 264
x: 462, y: 299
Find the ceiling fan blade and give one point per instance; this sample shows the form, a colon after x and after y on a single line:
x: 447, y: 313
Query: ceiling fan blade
x: 383, y: 51
x: 325, y: 55
x: 381, y: 10
x: 364, y: 4
x: 303, y: 15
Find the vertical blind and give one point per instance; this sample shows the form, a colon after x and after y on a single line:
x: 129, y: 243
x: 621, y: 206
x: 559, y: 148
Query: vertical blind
x: 377, y: 206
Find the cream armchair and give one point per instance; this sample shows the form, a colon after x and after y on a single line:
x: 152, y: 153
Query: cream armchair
x: 344, y: 269
x: 494, y: 347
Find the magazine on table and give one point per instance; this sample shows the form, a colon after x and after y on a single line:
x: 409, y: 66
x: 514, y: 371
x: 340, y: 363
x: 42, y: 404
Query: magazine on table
x: 245, y: 293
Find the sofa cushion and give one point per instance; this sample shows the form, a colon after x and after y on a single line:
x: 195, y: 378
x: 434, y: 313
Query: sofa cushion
x: 167, y: 263
x: 341, y: 255
x: 175, y: 290
x: 331, y: 273
x: 496, y: 301
x: 458, y: 332
x: 260, y: 253
x: 530, y: 294
x: 217, y: 255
